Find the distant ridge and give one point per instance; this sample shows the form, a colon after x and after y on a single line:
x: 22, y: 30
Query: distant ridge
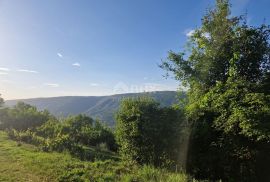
x: 102, y: 107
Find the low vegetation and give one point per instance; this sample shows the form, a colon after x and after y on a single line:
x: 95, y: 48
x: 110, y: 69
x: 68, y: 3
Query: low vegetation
x: 24, y: 162
x: 79, y: 148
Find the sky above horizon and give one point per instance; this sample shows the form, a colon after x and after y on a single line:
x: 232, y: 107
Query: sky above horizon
x: 97, y: 47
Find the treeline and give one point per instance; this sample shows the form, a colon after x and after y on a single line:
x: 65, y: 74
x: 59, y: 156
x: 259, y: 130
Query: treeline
x: 227, y: 68
x: 75, y: 134
x: 145, y: 132
x: 142, y: 147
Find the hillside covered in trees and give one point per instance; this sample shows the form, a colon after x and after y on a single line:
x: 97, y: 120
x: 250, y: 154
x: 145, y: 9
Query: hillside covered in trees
x: 102, y: 107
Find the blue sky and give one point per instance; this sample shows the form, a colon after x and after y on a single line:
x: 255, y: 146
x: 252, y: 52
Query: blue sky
x: 97, y: 47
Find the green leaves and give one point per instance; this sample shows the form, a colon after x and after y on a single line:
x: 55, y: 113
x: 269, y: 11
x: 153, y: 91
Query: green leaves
x: 147, y: 133
x: 222, y: 47
x: 23, y: 116
x: 239, y: 110
x: 228, y: 72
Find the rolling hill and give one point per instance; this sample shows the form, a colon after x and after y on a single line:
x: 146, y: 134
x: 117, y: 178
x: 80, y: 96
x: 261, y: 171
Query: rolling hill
x: 102, y: 107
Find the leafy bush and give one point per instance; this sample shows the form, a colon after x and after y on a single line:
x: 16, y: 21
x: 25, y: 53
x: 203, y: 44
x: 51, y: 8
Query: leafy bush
x: 75, y: 134
x: 22, y: 117
x: 27, y: 136
x: 147, y: 133
x: 59, y: 143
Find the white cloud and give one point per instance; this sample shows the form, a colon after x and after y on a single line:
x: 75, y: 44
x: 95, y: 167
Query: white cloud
x: 189, y: 32
x: 59, y: 55
x: 76, y: 64
x: 94, y: 84
x: 54, y: 85
x: 3, y: 73
x: 4, y: 69
x: 27, y: 71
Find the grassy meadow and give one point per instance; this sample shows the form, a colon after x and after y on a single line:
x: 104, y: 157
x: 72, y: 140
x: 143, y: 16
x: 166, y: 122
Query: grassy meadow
x: 24, y: 162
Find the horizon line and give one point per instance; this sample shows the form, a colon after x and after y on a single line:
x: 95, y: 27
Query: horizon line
x: 91, y: 95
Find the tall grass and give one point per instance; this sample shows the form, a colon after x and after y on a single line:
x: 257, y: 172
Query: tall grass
x: 23, y: 162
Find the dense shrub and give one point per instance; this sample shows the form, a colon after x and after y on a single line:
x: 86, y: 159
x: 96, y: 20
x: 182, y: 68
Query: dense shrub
x: 23, y: 117
x: 74, y: 134
x: 26, y: 136
x: 147, y: 133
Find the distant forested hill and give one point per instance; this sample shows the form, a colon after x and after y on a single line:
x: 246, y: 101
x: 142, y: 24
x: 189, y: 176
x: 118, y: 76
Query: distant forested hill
x: 102, y: 107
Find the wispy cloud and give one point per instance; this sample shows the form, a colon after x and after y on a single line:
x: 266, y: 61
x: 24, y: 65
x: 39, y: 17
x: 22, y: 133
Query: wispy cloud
x: 189, y: 32
x: 27, y: 71
x: 94, y: 84
x: 54, y: 85
x: 59, y: 55
x: 76, y: 64
x: 4, y: 69
x: 6, y: 81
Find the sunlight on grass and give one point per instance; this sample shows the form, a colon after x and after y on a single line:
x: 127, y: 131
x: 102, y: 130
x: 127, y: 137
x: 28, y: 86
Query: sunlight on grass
x: 23, y: 162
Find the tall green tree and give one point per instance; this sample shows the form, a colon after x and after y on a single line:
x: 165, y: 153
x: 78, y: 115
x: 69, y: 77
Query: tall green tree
x: 221, y: 39
x: 227, y: 70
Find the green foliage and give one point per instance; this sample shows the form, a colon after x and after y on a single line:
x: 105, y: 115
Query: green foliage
x: 86, y: 131
x: 215, y: 44
x: 23, y: 117
x: 227, y: 70
x: 239, y: 110
x: 231, y: 133
x: 26, y: 163
x: 147, y: 133
x: 115, y: 171
x: 27, y: 136
x: 75, y: 135
x: 51, y: 129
